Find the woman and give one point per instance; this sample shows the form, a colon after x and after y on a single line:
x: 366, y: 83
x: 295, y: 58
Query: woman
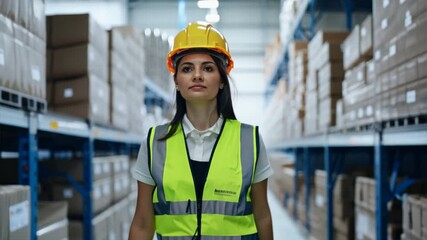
x: 203, y: 175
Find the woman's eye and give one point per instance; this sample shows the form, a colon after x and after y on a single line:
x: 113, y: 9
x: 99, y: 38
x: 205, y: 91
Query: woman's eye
x: 209, y: 68
x: 186, y: 69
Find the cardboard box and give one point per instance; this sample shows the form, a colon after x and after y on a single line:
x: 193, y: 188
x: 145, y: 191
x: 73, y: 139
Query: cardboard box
x: 7, y: 62
x: 120, y: 186
x: 79, y: 60
x: 122, y: 219
x: 422, y: 66
x: 69, y: 30
x: 101, y: 196
x: 9, y: 8
x: 321, y: 37
x: 87, y: 97
x: 38, y: 19
x: 119, y: 164
x: 366, y: 38
x: 52, y: 221
x: 100, y: 168
x: 351, y: 48
x: 119, y: 107
x: 100, y: 227
x: 15, y: 212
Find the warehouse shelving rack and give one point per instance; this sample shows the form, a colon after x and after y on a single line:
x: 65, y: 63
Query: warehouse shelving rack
x: 314, y: 9
x: 25, y: 134
x: 385, y: 148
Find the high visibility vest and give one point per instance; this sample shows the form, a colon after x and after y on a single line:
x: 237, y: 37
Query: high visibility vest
x: 226, y: 208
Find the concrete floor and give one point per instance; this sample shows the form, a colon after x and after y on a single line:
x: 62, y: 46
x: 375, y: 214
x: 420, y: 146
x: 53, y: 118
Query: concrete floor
x: 284, y: 226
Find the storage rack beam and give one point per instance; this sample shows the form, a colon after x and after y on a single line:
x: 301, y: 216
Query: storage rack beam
x: 35, y: 127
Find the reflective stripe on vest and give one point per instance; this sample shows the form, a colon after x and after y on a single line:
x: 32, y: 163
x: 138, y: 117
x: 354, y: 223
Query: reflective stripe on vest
x: 247, y: 237
x: 226, y: 207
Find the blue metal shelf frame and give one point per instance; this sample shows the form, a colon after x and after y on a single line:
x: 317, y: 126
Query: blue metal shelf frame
x: 382, y: 145
x: 39, y: 127
x: 28, y: 173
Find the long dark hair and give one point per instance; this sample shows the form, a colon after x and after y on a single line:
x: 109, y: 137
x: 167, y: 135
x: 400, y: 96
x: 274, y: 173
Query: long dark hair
x: 224, y: 102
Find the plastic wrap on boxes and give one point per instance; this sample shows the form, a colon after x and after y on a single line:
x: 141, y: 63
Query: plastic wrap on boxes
x: 366, y: 38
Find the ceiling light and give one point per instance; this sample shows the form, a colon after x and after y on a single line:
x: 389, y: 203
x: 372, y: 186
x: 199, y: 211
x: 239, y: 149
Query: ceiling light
x: 212, y: 16
x: 208, y: 3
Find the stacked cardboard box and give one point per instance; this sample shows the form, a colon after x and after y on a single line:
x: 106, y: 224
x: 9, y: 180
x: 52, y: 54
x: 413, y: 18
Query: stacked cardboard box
x: 113, y: 223
x: 126, y: 71
x: 365, y: 199
x: 52, y: 220
x: 60, y: 190
x: 23, y: 47
x: 359, y: 84
x: 273, y: 52
x: 120, y: 185
x: 343, y: 202
x: 324, y: 80
x: 78, y: 67
x: 15, y: 212
x: 277, y: 110
x: 297, y: 52
x: 156, y: 47
x: 415, y: 217
x: 283, y: 184
x: 399, y: 52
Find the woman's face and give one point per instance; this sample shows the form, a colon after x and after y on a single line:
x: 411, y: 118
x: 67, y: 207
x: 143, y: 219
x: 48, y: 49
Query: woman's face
x: 197, y: 78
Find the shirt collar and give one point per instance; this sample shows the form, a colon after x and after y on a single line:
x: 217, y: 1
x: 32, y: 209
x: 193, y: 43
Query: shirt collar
x: 189, y: 128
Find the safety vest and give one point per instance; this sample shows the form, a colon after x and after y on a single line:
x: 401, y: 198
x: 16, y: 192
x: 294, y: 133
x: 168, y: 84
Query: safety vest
x: 226, y: 208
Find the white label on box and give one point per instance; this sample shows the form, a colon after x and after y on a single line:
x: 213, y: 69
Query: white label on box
x: 360, y: 113
x: 68, y: 93
x: 106, y: 189
x: 392, y: 50
x: 125, y: 166
x: 359, y: 76
x: 384, y: 23
x: 67, y: 193
x: 377, y: 55
x: 320, y: 201
x: 101, y: 93
x: 19, y: 215
x: 363, y: 32
x: 386, y: 3
x: 117, y: 185
x: 97, y: 169
x: 411, y: 96
x: 117, y: 167
x: 371, y: 67
x: 408, y: 19
x: 35, y: 73
x: 106, y: 167
x: 369, y: 111
x: 2, y: 57
x: 96, y: 193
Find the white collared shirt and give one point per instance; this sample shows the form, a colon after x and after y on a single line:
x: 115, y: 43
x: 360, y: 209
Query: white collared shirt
x: 200, y: 145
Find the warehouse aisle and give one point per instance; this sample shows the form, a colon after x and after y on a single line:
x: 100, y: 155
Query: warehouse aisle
x: 283, y: 225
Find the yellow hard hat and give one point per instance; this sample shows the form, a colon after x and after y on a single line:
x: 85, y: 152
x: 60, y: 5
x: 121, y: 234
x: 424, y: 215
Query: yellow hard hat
x: 199, y: 35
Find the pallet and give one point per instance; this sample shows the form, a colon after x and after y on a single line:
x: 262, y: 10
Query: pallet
x: 23, y: 101
x: 405, y: 121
